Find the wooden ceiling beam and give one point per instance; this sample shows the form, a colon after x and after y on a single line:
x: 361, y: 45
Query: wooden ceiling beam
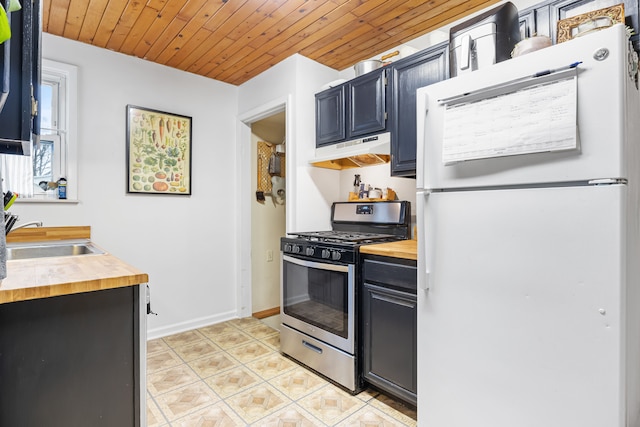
x: 361, y: 47
x: 234, y: 40
x: 178, y: 47
x: 155, y: 28
x: 75, y: 18
x: 57, y: 16
x: 92, y: 19
x: 127, y: 20
x: 108, y: 23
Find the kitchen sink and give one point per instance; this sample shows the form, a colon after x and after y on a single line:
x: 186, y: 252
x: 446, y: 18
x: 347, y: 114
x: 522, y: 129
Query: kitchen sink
x: 45, y: 250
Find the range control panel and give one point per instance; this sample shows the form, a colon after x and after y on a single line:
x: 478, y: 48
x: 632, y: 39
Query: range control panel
x: 320, y: 251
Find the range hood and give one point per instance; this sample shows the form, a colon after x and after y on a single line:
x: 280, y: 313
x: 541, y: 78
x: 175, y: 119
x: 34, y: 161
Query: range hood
x: 356, y: 153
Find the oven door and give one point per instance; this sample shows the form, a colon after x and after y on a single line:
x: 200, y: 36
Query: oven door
x: 318, y: 299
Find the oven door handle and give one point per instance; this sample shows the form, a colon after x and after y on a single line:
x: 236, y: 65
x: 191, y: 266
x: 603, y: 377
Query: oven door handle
x: 311, y: 264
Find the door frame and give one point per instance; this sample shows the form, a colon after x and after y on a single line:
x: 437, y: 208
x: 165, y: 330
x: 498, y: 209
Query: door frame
x: 243, y: 201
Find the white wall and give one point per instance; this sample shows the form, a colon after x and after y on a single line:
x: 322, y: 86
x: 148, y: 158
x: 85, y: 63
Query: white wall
x: 310, y: 190
x: 185, y: 243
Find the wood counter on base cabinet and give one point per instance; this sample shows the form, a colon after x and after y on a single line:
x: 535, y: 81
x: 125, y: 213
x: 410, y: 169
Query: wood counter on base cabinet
x: 72, y: 339
x: 405, y: 249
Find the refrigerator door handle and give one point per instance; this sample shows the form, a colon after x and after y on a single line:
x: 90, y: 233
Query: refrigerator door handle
x: 423, y: 269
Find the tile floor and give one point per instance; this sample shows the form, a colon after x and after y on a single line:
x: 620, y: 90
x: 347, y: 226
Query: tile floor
x: 232, y: 374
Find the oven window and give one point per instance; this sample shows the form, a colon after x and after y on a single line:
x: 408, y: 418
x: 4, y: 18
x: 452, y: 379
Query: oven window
x: 317, y: 297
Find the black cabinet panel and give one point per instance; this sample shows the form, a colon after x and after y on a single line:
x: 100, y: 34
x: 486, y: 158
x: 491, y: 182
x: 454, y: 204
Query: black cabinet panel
x: 542, y: 19
x: 407, y: 75
x: 367, y: 104
x: 527, y: 22
x: 19, y: 79
x: 71, y: 360
x: 352, y: 110
x: 389, y: 326
x: 330, y: 116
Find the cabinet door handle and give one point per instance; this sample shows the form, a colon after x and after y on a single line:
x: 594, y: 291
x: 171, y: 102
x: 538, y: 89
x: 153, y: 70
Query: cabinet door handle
x: 392, y: 300
x: 312, y: 347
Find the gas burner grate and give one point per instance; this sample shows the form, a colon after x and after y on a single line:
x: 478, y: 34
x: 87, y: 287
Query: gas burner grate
x: 343, y: 236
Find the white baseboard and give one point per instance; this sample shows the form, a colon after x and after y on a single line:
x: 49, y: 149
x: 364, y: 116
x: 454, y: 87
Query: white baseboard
x: 191, y: 324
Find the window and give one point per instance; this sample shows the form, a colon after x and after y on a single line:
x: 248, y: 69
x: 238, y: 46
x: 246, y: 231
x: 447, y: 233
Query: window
x: 32, y: 177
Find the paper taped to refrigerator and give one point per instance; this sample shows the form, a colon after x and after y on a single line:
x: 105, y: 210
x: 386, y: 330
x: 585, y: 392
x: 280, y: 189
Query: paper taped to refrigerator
x: 534, y: 119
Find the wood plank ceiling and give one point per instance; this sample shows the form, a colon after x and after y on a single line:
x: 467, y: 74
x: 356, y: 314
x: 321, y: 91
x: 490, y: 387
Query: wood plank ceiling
x: 235, y: 40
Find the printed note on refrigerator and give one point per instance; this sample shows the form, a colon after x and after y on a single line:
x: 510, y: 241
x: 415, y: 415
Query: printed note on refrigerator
x: 534, y: 119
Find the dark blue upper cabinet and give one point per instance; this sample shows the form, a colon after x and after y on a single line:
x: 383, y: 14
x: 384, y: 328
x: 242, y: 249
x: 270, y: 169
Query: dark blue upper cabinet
x: 352, y: 110
x: 330, y: 117
x: 367, y: 104
x: 20, y: 80
x: 407, y: 75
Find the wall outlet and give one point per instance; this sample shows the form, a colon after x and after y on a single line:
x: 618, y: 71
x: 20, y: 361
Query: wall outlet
x: 269, y: 255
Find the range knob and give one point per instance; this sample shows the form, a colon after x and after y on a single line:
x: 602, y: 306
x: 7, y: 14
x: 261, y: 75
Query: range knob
x: 335, y: 255
x: 296, y: 249
x: 326, y: 253
x: 310, y: 251
x: 287, y: 247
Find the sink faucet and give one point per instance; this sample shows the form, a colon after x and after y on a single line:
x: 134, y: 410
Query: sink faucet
x: 26, y: 224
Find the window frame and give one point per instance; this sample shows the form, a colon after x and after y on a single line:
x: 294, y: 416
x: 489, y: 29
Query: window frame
x: 65, y: 139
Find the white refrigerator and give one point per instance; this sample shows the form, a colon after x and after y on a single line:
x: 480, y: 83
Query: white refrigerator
x: 529, y: 231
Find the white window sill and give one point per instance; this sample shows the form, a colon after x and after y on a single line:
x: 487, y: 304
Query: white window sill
x: 46, y: 200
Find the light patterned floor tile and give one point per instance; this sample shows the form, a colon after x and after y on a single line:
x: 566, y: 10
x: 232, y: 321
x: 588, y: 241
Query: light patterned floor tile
x: 250, y: 351
x: 330, y: 404
x: 156, y: 346
x: 163, y: 360
x: 233, y: 381
x: 367, y: 394
x: 257, y: 402
x: 186, y: 400
x: 214, y: 364
x: 231, y: 339
x: 395, y: 408
x: 290, y: 416
x: 196, y: 350
x: 240, y: 361
x: 245, y: 322
x: 183, y: 338
x: 218, y: 415
x: 273, y: 341
x: 261, y: 331
x: 170, y: 379
x: 298, y: 382
x: 271, y: 365
x: 212, y: 331
x: 370, y: 417
x: 154, y: 415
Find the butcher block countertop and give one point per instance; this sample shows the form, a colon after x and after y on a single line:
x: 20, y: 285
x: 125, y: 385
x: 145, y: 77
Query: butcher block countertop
x: 36, y: 278
x: 407, y: 249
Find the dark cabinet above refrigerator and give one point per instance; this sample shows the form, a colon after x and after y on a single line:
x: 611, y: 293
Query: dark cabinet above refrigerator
x: 406, y: 76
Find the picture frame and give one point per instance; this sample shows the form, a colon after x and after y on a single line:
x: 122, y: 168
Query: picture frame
x: 158, y: 152
x: 585, y: 23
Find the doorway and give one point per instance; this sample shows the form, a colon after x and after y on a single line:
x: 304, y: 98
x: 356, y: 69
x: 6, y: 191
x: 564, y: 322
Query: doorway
x: 268, y: 212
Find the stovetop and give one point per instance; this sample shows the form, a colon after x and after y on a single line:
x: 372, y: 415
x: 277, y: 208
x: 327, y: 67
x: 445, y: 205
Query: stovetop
x: 347, y: 237
x: 353, y: 225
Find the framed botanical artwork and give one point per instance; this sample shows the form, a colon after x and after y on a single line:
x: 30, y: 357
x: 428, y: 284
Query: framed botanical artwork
x: 158, y: 152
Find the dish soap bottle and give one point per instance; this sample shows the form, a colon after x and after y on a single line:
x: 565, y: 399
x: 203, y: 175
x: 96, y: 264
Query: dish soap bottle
x: 62, y: 188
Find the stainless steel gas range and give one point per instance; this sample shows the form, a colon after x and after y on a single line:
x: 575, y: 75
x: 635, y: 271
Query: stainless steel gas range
x: 319, y: 286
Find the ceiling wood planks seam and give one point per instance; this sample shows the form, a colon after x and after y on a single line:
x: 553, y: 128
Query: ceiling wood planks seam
x: 235, y: 40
